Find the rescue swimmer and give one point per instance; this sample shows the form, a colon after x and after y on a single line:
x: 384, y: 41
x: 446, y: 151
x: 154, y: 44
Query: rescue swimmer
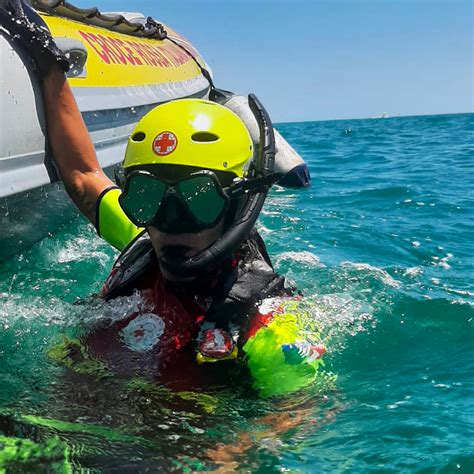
x: 182, y: 213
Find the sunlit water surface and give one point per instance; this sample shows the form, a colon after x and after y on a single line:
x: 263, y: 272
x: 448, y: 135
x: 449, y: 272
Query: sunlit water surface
x: 381, y: 246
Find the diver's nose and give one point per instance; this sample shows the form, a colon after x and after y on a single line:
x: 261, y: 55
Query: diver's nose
x: 172, y: 217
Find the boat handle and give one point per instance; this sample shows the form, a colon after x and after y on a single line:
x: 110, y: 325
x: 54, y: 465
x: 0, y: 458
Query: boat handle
x: 76, y: 54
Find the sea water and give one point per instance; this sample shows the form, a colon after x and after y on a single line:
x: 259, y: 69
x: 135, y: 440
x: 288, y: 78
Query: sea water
x: 381, y: 245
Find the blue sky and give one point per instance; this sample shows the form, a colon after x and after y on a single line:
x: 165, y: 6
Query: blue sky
x: 330, y: 59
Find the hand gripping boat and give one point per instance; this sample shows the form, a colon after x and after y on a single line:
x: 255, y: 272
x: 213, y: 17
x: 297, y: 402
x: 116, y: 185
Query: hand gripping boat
x: 123, y: 65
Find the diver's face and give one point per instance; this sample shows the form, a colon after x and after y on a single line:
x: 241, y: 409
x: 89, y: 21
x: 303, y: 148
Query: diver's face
x: 182, y: 245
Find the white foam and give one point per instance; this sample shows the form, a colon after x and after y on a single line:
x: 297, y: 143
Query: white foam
x: 376, y: 272
x: 305, y: 257
x: 413, y: 272
x: 443, y: 261
x: 339, y: 314
x: 460, y: 292
x: 263, y: 230
x: 14, y: 308
x: 123, y: 307
x: 266, y: 212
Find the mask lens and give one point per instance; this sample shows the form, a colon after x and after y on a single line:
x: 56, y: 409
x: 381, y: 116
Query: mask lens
x: 202, y: 198
x: 143, y: 198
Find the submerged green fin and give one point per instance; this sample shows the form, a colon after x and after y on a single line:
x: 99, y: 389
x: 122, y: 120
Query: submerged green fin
x: 74, y: 355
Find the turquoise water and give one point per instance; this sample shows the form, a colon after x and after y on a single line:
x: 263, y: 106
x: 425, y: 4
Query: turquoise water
x: 380, y: 244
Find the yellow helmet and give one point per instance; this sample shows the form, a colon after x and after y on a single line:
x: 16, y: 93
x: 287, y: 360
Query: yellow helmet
x: 191, y: 132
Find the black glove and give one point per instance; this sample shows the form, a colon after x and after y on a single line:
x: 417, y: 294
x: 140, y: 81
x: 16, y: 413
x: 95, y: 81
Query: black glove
x: 28, y: 30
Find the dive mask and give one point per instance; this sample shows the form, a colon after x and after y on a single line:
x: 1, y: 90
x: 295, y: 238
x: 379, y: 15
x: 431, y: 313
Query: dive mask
x: 191, y: 204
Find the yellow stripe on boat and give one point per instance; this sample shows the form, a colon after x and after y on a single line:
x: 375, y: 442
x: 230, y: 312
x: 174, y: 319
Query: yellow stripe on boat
x: 116, y: 59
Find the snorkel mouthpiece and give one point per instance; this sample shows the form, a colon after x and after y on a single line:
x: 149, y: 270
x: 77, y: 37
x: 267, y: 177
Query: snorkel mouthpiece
x: 172, y: 252
x: 233, y: 237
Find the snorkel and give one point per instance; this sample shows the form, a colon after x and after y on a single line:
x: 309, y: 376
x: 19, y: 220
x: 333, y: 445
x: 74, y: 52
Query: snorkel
x: 255, y: 188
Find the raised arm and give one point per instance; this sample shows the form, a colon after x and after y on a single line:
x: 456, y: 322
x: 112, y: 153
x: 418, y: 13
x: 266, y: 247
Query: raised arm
x: 70, y: 141
x: 72, y: 146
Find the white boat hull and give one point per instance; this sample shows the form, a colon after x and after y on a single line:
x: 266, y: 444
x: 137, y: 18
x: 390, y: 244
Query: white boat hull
x: 30, y: 205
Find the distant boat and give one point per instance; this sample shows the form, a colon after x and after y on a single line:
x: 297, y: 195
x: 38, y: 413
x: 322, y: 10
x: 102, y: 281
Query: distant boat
x: 383, y: 115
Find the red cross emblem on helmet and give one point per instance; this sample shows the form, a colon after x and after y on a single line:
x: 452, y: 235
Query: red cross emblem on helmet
x: 165, y: 143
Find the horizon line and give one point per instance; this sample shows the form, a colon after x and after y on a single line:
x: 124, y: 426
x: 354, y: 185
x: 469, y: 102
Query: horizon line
x: 375, y: 118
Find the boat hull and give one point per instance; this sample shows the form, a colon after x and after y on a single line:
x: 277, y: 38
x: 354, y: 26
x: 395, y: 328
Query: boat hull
x: 123, y: 78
